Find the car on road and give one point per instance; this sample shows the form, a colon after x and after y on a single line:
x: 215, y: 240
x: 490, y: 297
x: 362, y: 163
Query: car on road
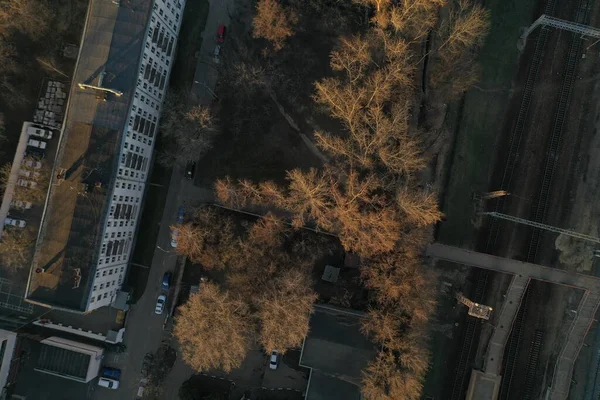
x: 217, y: 53
x: 221, y: 33
x: 175, y: 232
x: 274, y: 359
x: 160, y: 304
x: 110, y: 372
x: 19, y: 223
x: 190, y: 168
x: 108, y: 383
x: 166, y: 281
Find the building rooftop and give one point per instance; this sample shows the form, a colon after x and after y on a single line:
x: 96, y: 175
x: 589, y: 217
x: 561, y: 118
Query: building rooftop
x: 54, y: 387
x: 87, y: 157
x: 337, y: 352
x: 63, y: 362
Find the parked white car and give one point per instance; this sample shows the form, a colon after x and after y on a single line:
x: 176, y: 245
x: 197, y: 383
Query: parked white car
x: 22, y: 205
x: 19, y: 223
x: 160, y: 304
x: 108, y: 383
x: 32, y: 164
x: 40, y: 144
x: 39, y: 132
x: 274, y: 359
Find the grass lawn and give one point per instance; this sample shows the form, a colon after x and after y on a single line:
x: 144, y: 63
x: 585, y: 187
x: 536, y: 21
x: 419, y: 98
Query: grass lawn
x: 478, y: 126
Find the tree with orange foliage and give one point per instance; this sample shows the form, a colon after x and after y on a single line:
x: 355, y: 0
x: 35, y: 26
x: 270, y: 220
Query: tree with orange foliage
x: 384, y: 380
x: 284, y: 310
x: 214, y: 330
x: 207, y: 239
x: 273, y: 22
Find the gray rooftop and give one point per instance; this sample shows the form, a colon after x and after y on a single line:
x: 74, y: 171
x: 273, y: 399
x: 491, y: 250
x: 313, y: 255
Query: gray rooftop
x: 337, y: 352
x: 76, y: 209
x: 63, y: 362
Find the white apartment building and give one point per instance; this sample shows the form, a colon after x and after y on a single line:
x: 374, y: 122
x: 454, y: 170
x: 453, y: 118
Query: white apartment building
x: 105, y: 150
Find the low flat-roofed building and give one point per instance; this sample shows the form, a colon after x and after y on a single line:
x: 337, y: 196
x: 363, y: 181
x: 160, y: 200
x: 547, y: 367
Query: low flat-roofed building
x: 69, y: 359
x: 8, y: 341
x: 336, y: 352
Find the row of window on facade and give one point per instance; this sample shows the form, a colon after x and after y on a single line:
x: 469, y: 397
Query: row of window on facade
x: 144, y: 125
x: 162, y: 39
x: 109, y: 272
x: 122, y: 211
x: 134, y: 161
x: 108, y: 284
x: 172, y: 24
x: 119, y: 224
x: 126, y: 199
x: 128, y: 186
x: 115, y: 247
x: 118, y: 234
x: 93, y: 299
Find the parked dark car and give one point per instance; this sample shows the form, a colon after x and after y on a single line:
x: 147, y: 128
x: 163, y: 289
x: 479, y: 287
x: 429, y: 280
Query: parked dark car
x: 190, y: 169
x: 166, y: 281
x: 110, y: 372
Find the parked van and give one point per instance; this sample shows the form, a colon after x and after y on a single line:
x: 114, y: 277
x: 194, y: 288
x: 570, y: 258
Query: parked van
x: 37, y: 143
x: 39, y: 132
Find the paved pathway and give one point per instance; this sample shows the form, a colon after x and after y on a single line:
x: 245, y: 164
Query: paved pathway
x: 563, y: 370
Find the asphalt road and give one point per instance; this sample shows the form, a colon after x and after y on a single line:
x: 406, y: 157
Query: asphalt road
x: 145, y: 329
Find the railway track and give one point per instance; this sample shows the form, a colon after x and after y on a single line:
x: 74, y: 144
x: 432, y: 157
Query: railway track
x: 465, y: 356
x: 467, y: 346
x: 540, y: 209
x: 532, y: 364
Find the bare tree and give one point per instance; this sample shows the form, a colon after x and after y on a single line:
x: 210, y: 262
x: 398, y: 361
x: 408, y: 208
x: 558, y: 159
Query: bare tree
x: 207, y: 239
x: 14, y: 248
x: 384, y: 380
x: 402, y: 282
x: 273, y: 22
x: 453, y: 69
x: 465, y: 28
x: 213, y: 329
x: 187, y: 131
x: 284, y: 310
x: 420, y: 206
x: 395, y: 332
